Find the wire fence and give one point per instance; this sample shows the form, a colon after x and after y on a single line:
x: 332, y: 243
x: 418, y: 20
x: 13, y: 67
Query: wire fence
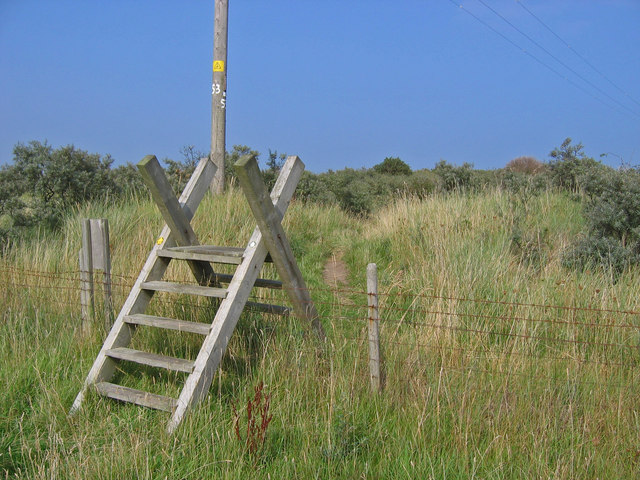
x: 592, y: 347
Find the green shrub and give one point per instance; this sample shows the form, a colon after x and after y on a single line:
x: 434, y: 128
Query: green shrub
x: 43, y: 183
x: 569, y: 166
x: 421, y: 183
x: 128, y: 180
x: 392, y: 166
x: 599, y: 252
x: 453, y: 177
x: 612, y: 212
x: 312, y: 188
x: 522, y: 186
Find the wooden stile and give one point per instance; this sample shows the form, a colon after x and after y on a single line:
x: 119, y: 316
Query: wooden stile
x: 178, y: 241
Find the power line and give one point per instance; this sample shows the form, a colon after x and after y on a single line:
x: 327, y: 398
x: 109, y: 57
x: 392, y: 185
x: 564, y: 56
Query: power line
x: 588, y: 82
x: 593, y: 67
x: 547, y: 66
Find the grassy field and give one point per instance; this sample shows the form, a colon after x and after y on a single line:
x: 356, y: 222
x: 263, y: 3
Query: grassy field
x: 499, y: 363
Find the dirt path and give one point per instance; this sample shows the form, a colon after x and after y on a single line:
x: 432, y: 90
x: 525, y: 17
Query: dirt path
x: 335, y: 273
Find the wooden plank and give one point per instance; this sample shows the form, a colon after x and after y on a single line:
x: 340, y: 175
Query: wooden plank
x: 211, y: 249
x: 151, y: 359
x: 131, y: 395
x: 184, y: 289
x: 227, y: 316
x: 169, y: 323
x: 276, y: 241
x: 205, y: 257
x: 162, y: 193
x: 214, y: 250
x: 120, y: 335
x: 260, y: 282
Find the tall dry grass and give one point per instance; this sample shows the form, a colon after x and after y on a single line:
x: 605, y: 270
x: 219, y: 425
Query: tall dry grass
x: 499, y: 363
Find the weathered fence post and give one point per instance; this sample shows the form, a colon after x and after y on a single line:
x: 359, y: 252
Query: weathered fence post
x: 95, y: 255
x: 374, y: 328
x: 86, y: 276
x: 102, y: 260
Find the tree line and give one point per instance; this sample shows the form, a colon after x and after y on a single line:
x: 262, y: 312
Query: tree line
x: 43, y: 184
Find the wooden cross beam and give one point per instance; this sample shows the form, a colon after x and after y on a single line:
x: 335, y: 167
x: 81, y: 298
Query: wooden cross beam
x: 268, y: 219
x: 177, y: 221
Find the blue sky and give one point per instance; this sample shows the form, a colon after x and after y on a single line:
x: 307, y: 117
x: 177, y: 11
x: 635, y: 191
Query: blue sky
x: 339, y: 83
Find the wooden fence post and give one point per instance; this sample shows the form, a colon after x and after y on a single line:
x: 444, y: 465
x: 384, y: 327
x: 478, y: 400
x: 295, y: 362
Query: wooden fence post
x: 100, y: 236
x: 86, y: 275
x: 95, y: 255
x: 374, y: 328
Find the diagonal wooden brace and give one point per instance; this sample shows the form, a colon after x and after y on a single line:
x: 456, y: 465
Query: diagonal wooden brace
x: 171, y: 211
x: 239, y: 289
x: 276, y: 240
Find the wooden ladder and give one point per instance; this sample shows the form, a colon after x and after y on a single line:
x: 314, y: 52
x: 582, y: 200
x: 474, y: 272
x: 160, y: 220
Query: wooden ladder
x: 178, y: 241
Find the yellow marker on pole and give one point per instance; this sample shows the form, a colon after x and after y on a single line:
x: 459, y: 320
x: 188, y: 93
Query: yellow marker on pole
x: 218, y: 66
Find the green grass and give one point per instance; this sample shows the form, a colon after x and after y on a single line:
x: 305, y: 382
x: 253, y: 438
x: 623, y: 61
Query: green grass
x: 480, y: 381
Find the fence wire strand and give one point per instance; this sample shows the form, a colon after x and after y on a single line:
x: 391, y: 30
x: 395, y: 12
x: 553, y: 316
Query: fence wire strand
x: 348, y: 307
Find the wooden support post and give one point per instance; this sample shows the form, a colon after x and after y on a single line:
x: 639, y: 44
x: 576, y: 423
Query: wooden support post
x: 177, y: 221
x: 374, y: 328
x: 276, y: 240
x: 219, y: 93
x: 86, y: 275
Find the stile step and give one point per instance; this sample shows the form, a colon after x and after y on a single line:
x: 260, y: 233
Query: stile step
x: 168, y: 323
x: 172, y: 287
x: 207, y: 253
x: 131, y: 395
x: 260, y: 282
x: 151, y: 359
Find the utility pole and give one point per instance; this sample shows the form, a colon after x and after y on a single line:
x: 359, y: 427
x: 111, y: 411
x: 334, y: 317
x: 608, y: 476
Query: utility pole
x: 219, y: 93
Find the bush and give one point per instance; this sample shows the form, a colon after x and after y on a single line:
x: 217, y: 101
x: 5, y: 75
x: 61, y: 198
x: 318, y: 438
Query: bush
x: 392, y: 166
x: 599, y: 252
x: 612, y: 211
x: 421, y: 183
x: 569, y: 166
x: 453, y: 177
x: 524, y: 164
x: 522, y: 186
x: 44, y: 183
x: 312, y: 188
x: 128, y: 180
